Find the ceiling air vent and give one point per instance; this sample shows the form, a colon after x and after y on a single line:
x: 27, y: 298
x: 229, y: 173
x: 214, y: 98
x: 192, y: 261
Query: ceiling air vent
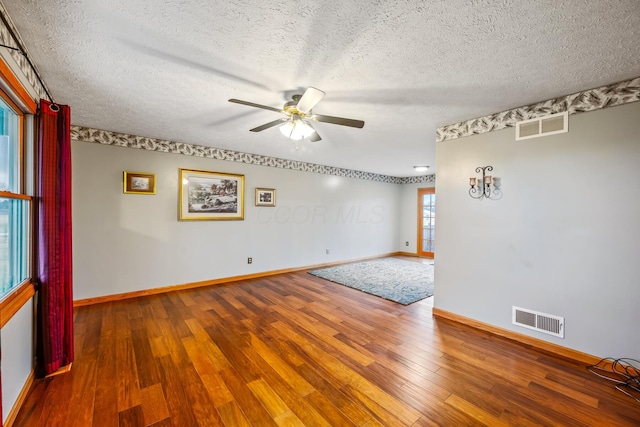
x: 546, y: 323
x: 542, y: 126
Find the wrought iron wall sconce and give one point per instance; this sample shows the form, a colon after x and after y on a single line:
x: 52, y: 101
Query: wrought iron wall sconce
x: 488, y: 186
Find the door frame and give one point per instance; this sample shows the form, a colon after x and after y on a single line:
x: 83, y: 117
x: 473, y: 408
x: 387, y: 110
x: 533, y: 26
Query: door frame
x: 421, y: 193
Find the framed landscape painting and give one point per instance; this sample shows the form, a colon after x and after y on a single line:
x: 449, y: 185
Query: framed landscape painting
x: 208, y: 195
x: 139, y: 183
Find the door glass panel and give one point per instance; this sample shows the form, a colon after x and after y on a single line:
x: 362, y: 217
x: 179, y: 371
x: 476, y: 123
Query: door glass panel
x: 428, y: 222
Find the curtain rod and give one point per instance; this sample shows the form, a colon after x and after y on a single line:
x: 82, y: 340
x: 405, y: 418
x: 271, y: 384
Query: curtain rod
x: 23, y: 52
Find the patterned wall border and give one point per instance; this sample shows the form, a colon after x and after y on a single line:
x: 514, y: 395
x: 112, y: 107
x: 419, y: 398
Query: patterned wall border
x: 589, y: 100
x: 29, y: 72
x: 423, y: 179
x: 132, y: 141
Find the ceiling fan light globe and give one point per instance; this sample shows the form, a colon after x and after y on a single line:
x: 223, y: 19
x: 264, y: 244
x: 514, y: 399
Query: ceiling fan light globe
x: 305, y: 130
x: 296, y: 130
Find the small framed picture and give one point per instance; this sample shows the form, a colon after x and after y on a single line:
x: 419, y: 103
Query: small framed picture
x: 139, y: 183
x: 265, y: 197
x: 206, y: 195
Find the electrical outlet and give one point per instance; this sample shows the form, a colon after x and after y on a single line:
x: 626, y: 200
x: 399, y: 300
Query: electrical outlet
x: 327, y: 251
x: 406, y: 243
x: 249, y: 260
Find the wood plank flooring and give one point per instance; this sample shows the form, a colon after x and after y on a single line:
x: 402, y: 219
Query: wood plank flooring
x: 296, y: 350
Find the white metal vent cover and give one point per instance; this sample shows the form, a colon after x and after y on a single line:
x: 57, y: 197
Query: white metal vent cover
x: 541, y: 322
x: 542, y: 126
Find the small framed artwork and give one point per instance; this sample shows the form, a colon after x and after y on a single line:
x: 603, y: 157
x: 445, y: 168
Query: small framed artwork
x: 265, y: 197
x: 139, y: 183
x: 208, y: 195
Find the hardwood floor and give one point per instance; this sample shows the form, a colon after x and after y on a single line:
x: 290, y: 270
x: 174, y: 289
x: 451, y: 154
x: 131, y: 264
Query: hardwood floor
x: 298, y: 350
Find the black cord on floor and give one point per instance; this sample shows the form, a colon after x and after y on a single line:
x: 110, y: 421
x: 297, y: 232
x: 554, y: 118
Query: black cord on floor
x: 624, y: 372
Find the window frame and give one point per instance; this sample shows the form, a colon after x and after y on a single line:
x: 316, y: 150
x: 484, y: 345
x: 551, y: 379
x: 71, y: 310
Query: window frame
x: 15, y: 95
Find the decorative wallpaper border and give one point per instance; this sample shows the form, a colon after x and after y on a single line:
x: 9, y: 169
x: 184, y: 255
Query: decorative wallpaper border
x: 131, y: 141
x: 418, y: 179
x: 603, y: 97
x: 593, y: 99
x: 29, y: 72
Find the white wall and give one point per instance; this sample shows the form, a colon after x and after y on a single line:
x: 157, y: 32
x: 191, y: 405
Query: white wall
x: 125, y: 242
x: 564, y: 238
x: 17, y: 356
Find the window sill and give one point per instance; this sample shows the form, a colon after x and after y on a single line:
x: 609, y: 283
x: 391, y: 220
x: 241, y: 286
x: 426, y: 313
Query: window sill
x: 15, y: 300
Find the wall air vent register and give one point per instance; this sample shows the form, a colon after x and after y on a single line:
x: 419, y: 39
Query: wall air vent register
x: 541, y: 322
x: 542, y: 126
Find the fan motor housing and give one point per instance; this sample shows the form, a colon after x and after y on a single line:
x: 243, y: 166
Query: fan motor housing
x: 290, y: 108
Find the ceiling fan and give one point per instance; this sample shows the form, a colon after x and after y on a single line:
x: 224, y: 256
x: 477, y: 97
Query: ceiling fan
x: 298, y: 115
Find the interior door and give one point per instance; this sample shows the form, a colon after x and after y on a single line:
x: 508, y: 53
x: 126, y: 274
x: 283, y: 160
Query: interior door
x: 426, y: 221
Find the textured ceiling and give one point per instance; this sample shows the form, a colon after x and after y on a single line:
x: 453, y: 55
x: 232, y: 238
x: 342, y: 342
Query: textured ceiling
x: 165, y: 69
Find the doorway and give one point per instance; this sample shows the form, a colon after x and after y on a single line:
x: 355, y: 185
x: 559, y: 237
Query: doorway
x: 426, y: 221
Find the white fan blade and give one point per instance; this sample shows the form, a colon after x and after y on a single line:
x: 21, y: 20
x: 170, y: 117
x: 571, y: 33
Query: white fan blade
x: 337, y: 120
x: 309, y: 99
x: 267, y: 125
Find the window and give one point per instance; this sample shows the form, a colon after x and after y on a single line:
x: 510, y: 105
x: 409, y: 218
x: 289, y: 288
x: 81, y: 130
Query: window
x: 14, y: 203
x: 14, y: 233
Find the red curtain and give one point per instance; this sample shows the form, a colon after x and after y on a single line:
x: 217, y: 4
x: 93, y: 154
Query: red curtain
x: 54, y: 275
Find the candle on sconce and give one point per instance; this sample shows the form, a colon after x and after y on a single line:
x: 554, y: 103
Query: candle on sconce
x: 487, y: 179
x: 472, y: 182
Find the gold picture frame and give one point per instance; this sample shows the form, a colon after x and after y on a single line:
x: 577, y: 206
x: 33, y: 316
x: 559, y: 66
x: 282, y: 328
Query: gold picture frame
x: 265, y: 197
x: 206, y: 195
x: 139, y: 183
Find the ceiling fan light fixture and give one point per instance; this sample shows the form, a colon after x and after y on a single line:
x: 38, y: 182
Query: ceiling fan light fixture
x: 296, y: 129
x: 296, y: 125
